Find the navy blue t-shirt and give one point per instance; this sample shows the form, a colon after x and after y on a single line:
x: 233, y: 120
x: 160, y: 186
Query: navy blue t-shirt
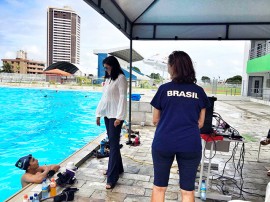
x: 180, y: 105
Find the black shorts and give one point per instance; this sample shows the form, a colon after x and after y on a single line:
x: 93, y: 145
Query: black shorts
x: 188, y: 163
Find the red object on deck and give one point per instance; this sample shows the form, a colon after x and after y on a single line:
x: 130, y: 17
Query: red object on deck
x: 210, y: 138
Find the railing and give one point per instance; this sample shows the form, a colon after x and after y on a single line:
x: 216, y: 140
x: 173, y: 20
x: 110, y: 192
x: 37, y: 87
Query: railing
x: 260, y: 93
x: 264, y: 49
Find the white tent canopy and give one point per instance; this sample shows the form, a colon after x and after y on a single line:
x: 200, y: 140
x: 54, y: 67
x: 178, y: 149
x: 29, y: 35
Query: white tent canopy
x: 188, y: 19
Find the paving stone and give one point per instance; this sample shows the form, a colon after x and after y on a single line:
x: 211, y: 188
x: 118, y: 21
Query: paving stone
x: 148, y: 192
x: 85, y: 192
x: 108, y: 196
x: 94, y: 185
x: 81, y: 199
x: 97, y: 200
x: 123, y: 181
x: 129, y: 190
x: 173, y: 188
x: 143, y: 184
x: 174, y: 176
x: 171, y: 195
x: 173, y: 181
x: 79, y: 183
x: 137, y: 199
x: 136, y: 177
x: 92, y: 177
x: 132, y: 169
x: 147, y: 170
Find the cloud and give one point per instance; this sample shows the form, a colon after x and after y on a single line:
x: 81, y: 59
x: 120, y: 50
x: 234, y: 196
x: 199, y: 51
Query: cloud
x: 9, y: 54
x: 15, y: 3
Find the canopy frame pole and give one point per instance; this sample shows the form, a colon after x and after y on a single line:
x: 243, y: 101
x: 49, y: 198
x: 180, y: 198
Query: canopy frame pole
x: 130, y: 87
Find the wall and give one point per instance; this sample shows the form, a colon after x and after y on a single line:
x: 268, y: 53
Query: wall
x: 140, y: 112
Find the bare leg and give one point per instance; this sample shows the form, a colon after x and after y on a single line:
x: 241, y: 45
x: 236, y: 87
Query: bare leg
x: 187, y: 196
x: 158, y: 194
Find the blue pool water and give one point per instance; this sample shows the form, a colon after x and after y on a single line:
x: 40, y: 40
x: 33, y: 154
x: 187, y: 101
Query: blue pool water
x: 49, y: 124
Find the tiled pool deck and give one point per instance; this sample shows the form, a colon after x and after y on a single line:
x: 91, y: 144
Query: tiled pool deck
x: 251, y: 119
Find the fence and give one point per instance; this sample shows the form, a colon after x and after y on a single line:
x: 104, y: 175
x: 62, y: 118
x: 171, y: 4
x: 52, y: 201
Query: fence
x: 215, y: 87
x: 20, y: 78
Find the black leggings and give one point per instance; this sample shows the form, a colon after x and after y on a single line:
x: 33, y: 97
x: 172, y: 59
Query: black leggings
x: 115, y: 165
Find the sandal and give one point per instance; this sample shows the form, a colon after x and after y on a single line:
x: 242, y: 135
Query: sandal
x: 268, y: 172
x: 110, y: 186
x: 265, y: 141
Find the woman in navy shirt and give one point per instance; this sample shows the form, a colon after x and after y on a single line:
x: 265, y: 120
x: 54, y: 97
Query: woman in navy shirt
x: 179, y: 112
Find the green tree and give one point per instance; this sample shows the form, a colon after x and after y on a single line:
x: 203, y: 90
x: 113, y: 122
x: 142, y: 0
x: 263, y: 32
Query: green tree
x: 7, y: 68
x: 234, y: 79
x: 155, y: 76
x: 136, y: 69
x: 205, y: 79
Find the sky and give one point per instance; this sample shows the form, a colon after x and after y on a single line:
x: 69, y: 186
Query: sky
x: 23, y: 26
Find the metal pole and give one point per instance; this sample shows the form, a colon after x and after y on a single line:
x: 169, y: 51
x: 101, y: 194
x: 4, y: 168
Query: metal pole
x: 130, y: 91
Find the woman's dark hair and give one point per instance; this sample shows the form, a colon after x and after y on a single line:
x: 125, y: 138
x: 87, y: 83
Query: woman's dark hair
x: 114, y: 64
x: 182, y: 66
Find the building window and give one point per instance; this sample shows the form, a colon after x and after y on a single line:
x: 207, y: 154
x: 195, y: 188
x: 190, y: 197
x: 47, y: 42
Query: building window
x: 267, y: 83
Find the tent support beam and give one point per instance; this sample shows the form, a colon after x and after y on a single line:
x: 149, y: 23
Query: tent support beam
x: 206, y: 23
x: 100, y: 10
x: 227, y: 32
x: 121, y: 11
x: 130, y: 88
x: 145, y: 10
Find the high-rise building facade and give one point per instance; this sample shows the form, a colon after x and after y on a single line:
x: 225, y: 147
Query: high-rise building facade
x: 63, y: 35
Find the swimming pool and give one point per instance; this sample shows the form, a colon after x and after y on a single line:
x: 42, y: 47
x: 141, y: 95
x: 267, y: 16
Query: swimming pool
x: 48, y: 124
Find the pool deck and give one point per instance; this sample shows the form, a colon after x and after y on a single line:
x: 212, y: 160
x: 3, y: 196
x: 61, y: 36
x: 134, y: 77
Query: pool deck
x: 251, y: 119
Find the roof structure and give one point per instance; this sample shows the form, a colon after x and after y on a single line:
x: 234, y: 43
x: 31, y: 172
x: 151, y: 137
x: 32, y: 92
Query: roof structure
x: 57, y: 72
x: 64, y: 66
x: 122, y: 53
x: 188, y: 19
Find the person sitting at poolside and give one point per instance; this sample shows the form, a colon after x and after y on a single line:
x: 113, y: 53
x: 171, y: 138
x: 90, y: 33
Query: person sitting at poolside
x: 33, y: 172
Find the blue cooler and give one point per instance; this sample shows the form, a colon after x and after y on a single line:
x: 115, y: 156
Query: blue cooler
x: 135, y: 97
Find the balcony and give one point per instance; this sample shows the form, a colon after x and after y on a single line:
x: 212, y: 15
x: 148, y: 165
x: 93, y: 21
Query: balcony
x: 260, y: 62
x: 259, y: 51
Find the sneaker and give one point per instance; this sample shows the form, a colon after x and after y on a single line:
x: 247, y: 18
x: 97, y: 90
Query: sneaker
x: 265, y: 141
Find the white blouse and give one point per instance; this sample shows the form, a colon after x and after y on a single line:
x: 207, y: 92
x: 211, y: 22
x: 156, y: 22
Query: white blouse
x: 113, y: 103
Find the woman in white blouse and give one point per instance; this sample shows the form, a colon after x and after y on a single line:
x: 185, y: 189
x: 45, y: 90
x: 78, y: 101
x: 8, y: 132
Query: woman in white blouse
x: 112, y: 107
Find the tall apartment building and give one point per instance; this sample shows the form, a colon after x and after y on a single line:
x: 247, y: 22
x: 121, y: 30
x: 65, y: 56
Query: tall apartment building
x: 22, y: 65
x: 63, y: 35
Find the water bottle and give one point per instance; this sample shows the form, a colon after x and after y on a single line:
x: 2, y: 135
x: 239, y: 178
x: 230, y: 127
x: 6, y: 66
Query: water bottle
x: 44, y: 191
x: 102, y: 147
x: 52, y: 188
x: 31, y: 199
x: 203, y: 191
x: 25, y: 198
x: 36, y: 198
